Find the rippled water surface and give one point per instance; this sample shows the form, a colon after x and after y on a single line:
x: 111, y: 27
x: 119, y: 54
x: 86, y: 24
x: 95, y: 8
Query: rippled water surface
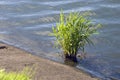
x: 27, y: 24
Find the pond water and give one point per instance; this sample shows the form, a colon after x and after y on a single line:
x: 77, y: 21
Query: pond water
x: 27, y: 24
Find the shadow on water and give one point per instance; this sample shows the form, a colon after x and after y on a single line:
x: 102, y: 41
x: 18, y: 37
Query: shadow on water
x: 91, y: 65
x: 96, y: 66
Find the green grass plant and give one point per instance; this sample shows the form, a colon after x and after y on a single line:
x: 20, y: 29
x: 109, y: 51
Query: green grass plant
x: 23, y: 75
x: 73, y: 32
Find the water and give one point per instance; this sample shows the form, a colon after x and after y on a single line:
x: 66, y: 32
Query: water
x: 27, y: 24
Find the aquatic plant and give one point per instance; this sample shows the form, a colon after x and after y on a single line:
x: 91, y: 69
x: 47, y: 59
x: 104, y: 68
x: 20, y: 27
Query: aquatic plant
x: 73, y: 33
x: 23, y: 75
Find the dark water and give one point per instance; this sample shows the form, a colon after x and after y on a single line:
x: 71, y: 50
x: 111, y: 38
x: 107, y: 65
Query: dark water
x: 27, y: 24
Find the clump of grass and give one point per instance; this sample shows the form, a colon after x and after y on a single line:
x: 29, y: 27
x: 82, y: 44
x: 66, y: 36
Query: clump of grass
x: 23, y: 75
x: 73, y: 33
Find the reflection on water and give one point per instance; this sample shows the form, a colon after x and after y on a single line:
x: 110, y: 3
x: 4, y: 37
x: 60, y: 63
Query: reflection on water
x: 27, y: 24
